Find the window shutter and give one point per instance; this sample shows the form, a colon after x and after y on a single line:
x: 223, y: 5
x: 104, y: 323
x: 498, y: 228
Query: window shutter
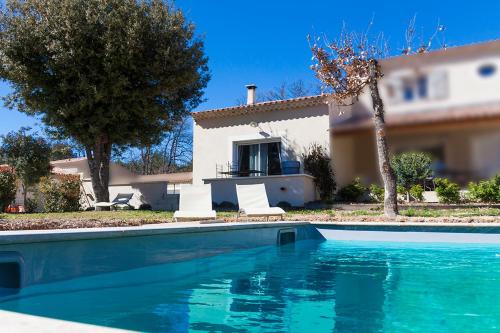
x: 394, y: 84
x: 438, y: 85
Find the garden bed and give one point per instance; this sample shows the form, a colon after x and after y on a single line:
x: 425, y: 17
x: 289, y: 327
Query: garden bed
x: 44, y: 221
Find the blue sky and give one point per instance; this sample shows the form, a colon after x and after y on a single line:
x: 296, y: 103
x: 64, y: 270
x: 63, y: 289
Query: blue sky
x: 264, y: 42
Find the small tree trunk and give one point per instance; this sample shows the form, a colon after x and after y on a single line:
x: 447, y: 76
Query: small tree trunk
x: 25, y: 193
x: 98, y: 157
x: 388, y: 177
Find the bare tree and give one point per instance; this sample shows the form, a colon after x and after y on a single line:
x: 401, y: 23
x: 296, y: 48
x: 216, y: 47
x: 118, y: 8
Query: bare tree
x: 172, y: 154
x: 278, y: 93
x: 348, y: 66
x: 298, y: 89
x: 177, y: 147
x: 425, y: 44
x: 284, y: 91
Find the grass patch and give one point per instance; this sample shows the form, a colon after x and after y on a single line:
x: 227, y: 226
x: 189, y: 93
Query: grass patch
x: 460, y: 212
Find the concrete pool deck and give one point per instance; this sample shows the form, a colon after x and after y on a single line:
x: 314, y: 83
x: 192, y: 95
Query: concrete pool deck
x: 18, y: 322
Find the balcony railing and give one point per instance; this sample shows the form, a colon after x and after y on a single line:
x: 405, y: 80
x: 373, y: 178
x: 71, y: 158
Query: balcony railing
x: 233, y: 170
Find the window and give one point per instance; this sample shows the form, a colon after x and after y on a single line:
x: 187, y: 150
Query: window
x: 408, y: 92
x: 259, y: 159
x: 422, y: 87
x: 415, y: 89
x: 487, y: 70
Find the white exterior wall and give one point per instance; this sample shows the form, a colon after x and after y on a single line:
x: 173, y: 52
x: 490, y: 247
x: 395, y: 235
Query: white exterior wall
x: 461, y: 85
x: 118, y: 175
x: 214, y: 139
x: 297, y: 190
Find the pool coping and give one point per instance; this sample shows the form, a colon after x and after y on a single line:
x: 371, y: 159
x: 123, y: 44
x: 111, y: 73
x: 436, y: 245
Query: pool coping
x: 55, y: 235
x: 20, y: 322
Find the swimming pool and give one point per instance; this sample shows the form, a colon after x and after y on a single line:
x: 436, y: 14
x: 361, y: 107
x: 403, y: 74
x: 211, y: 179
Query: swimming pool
x: 311, y: 285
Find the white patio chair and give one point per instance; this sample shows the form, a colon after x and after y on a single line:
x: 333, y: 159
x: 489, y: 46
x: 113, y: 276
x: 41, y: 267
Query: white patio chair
x: 195, y: 203
x: 253, y: 202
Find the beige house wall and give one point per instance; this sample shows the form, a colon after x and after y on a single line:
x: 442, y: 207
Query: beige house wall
x: 472, y: 148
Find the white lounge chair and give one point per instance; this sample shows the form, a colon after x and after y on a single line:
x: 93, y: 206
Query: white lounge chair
x: 195, y: 203
x: 253, y: 202
x: 121, y: 201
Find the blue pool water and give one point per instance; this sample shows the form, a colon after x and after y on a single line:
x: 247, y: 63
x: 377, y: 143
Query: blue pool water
x: 309, y: 286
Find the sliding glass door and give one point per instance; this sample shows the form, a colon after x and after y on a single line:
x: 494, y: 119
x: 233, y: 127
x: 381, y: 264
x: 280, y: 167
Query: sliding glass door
x: 259, y: 159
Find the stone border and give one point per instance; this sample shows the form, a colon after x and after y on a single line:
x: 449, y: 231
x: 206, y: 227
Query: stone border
x: 55, y: 235
x: 19, y: 322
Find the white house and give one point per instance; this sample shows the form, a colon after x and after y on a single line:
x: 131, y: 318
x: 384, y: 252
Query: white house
x: 445, y: 102
x: 160, y: 191
x: 250, y: 144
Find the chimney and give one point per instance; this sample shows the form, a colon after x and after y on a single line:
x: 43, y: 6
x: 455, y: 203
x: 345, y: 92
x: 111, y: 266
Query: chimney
x: 251, y: 93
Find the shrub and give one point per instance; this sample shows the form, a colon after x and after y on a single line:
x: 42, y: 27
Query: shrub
x: 376, y: 193
x: 411, y: 168
x: 8, y: 188
x: 227, y: 205
x: 284, y: 205
x: 353, y: 192
x: 401, y: 190
x: 447, y: 192
x: 30, y: 205
x: 145, y: 206
x: 62, y: 194
x: 417, y: 192
x: 486, y: 190
x: 317, y: 162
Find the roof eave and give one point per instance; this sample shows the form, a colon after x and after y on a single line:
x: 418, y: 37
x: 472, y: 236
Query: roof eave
x: 261, y: 107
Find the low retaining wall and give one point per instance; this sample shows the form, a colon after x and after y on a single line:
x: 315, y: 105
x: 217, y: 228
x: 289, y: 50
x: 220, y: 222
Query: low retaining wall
x: 297, y: 190
x: 55, y: 255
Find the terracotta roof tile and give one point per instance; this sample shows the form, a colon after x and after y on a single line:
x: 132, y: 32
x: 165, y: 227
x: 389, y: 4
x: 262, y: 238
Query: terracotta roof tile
x: 261, y: 107
x: 172, y: 178
x: 424, y: 117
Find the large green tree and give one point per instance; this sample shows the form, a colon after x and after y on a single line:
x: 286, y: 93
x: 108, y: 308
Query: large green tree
x: 28, y: 155
x: 103, y: 72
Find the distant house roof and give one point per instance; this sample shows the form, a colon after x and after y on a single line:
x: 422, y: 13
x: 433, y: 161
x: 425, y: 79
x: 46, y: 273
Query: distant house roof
x: 5, y: 167
x: 172, y: 178
x: 444, y: 115
x: 449, y: 53
x: 58, y: 167
x: 68, y: 160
